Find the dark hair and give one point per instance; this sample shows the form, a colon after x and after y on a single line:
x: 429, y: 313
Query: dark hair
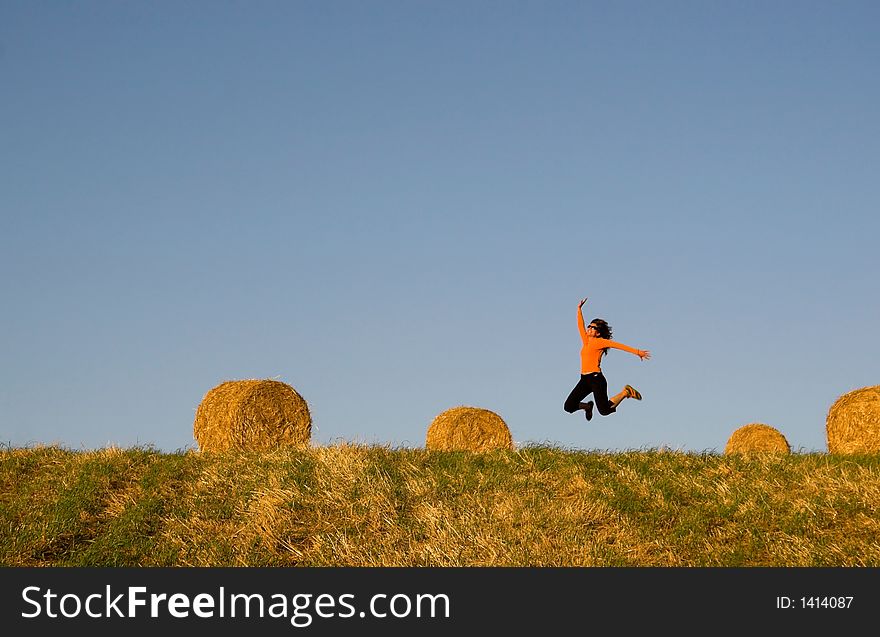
x: 604, y: 330
x: 602, y: 327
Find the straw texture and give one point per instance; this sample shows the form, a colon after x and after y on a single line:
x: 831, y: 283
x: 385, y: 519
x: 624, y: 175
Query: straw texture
x: 252, y: 414
x: 757, y: 437
x: 853, y: 422
x: 466, y: 428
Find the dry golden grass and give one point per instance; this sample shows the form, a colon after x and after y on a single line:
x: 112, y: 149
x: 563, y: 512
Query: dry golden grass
x: 352, y: 505
x: 853, y: 422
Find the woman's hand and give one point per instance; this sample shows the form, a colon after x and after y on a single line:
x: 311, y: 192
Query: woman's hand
x: 644, y: 354
x: 581, y: 304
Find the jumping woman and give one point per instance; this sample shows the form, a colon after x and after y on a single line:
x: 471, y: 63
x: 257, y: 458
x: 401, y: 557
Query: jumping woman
x: 597, y: 339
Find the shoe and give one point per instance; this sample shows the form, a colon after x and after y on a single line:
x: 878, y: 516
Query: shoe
x: 588, y: 410
x: 631, y: 392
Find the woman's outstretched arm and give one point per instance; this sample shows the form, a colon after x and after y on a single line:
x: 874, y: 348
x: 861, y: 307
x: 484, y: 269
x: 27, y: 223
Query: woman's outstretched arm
x: 641, y: 353
x: 581, y: 327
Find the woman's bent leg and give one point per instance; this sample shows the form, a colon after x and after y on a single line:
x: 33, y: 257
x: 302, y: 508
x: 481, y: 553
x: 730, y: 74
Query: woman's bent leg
x: 580, y: 391
x: 600, y: 394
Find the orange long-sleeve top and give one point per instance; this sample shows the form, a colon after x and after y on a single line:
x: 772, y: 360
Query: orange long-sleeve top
x: 594, y: 347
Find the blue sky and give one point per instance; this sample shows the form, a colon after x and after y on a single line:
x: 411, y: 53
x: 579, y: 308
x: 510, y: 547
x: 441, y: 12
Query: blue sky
x: 395, y: 207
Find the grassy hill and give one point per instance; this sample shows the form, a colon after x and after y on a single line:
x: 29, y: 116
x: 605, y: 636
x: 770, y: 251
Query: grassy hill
x: 352, y: 505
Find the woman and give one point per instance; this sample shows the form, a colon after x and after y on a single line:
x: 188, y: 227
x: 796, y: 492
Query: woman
x: 597, y: 339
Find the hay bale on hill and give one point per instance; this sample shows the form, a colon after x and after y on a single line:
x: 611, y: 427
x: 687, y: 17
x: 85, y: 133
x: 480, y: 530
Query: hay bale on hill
x: 252, y: 414
x: 853, y: 422
x: 468, y: 429
x: 757, y: 437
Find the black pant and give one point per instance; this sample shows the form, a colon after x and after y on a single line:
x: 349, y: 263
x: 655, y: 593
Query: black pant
x: 596, y: 384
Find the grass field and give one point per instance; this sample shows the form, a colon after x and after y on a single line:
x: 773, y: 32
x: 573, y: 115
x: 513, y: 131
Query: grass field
x: 351, y: 505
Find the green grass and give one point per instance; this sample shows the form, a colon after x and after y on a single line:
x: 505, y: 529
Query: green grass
x: 351, y: 505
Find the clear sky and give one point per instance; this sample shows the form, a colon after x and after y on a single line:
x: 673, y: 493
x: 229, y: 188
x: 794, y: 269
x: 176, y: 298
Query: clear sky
x: 395, y: 207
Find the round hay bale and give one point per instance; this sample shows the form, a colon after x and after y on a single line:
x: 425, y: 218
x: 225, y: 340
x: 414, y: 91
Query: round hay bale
x: 756, y: 437
x: 853, y: 422
x: 468, y: 429
x: 252, y: 414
